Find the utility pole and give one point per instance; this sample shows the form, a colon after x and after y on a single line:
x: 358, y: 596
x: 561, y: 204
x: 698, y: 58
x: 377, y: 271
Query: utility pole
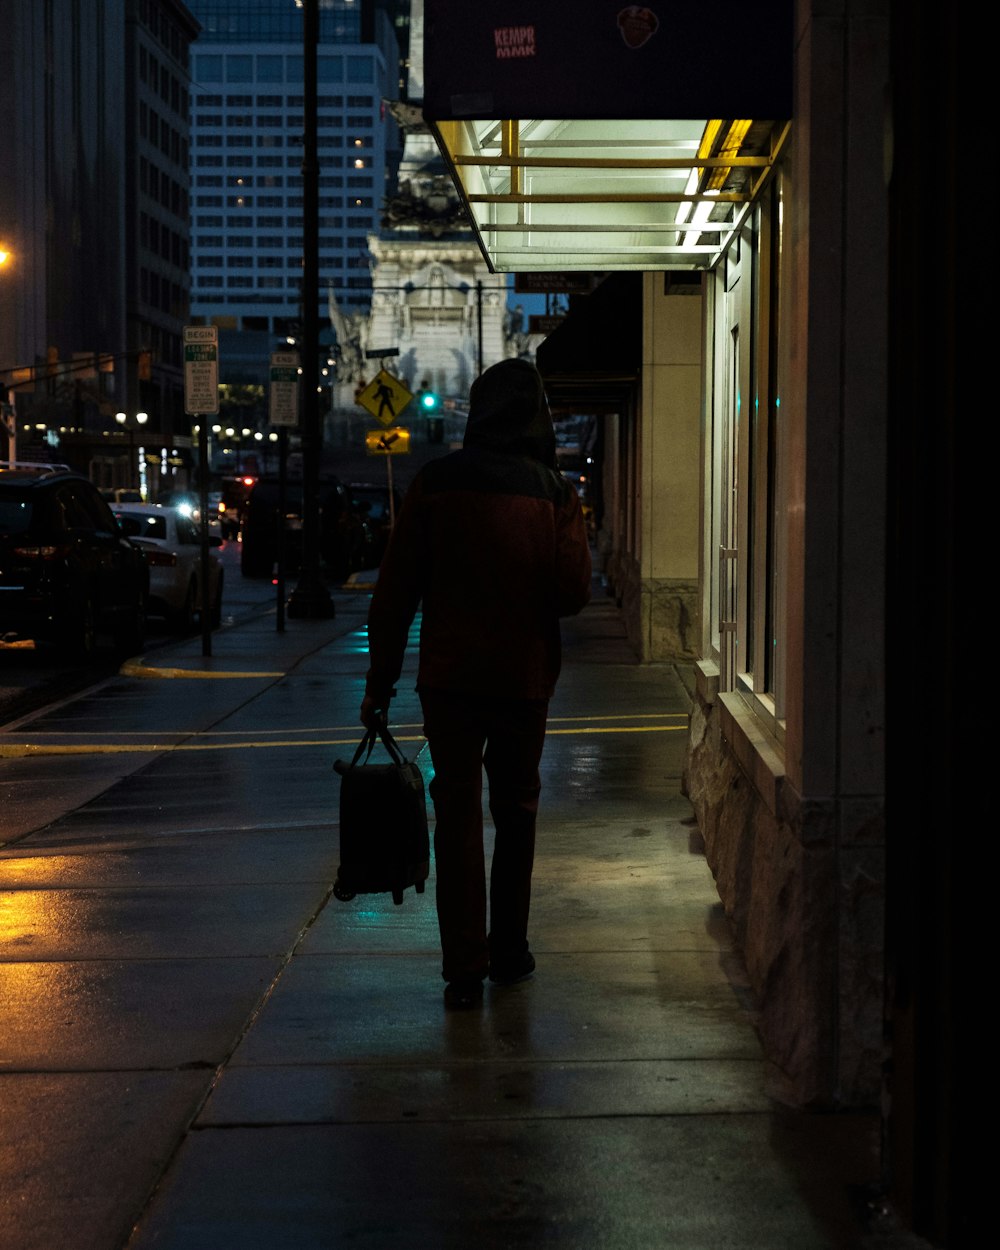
x: 310, y: 598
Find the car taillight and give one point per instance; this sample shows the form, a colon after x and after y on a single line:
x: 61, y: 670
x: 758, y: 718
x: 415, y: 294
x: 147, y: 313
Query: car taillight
x: 43, y: 551
x: 161, y: 559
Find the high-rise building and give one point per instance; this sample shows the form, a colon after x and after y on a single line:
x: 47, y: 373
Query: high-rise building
x: 94, y: 219
x: 247, y: 127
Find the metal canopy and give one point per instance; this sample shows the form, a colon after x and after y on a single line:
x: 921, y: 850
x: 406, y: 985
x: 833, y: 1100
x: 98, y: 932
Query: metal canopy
x: 607, y: 195
x: 549, y: 117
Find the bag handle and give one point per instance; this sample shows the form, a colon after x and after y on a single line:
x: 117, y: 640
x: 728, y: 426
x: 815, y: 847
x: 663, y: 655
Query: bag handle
x: 379, y: 727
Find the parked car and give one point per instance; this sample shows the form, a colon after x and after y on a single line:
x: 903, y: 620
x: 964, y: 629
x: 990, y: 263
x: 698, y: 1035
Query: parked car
x: 372, y: 502
x: 343, y: 533
x: 172, y: 542
x: 122, y: 494
x: 67, y: 572
x: 188, y: 502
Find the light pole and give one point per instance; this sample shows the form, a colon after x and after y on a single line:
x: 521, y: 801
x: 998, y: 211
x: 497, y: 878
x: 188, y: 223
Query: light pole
x: 137, y: 472
x: 310, y: 598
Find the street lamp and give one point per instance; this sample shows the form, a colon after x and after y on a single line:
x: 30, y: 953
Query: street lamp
x: 137, y: 470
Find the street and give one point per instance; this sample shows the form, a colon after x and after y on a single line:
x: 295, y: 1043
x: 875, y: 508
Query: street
x: 30, y: 678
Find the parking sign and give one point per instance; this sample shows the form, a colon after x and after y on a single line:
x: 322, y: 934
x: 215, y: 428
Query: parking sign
x: 201, y: 370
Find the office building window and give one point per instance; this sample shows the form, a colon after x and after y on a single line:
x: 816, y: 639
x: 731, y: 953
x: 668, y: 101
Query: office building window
x: 270, y: 69
x: 239, y: 67
x: 329, y: 69
x: 360, y: 69
x: 208, y: 201
x: 207, y: 68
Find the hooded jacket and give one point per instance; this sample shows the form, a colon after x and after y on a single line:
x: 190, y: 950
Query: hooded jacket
x: 491, y: 545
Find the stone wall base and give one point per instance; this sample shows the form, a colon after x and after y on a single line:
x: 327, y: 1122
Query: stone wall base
x: 804, y: 897
x: 660, y: 614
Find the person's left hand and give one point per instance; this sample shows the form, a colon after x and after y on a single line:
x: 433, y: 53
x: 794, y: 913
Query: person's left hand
x: 371, y: 711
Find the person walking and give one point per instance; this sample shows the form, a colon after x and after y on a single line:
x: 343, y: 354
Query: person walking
x: 490, y: 543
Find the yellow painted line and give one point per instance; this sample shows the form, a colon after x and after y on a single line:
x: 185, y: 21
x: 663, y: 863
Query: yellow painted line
x: 142, y: 670
x: 23, y: 750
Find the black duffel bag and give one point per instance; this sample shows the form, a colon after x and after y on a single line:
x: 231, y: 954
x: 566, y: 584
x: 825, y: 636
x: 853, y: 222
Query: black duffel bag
x: 384, y: 843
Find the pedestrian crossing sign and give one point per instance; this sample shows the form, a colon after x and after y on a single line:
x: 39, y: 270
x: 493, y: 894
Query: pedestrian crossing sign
x: 385, y: 397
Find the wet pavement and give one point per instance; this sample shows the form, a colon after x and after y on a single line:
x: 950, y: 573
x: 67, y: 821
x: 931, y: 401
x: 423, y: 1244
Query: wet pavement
x: 203, y: 1048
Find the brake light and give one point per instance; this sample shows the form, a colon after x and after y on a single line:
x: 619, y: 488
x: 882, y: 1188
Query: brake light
x: 39, y: 551
x: 161, y: 559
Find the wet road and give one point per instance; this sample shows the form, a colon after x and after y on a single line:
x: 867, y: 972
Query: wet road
x: 29, y: 679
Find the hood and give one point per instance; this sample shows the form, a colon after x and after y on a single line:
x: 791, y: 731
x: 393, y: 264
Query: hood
x: 508, y: 411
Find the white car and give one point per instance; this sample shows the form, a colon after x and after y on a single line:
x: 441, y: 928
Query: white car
x: 171, y: 541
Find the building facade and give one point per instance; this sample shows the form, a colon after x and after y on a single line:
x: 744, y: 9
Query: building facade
x: 94, y: 214
x: 246, y: 168
x: 784, y: 494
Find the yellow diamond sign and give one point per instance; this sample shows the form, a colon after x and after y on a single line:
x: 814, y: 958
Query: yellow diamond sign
x: 385, y: 397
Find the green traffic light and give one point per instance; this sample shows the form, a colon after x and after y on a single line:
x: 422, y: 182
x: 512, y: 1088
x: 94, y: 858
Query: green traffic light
x: 429, y: 401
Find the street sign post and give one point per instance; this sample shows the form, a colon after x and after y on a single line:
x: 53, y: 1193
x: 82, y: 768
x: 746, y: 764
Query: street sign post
x: 201, y: 399
x: 201, y: 370
x: 385, y: 397
x: 286, y: 383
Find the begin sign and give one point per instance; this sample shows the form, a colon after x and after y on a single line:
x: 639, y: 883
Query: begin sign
x: 201, y: 370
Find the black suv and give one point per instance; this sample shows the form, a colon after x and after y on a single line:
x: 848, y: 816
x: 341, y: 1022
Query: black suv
x: 67, y: 571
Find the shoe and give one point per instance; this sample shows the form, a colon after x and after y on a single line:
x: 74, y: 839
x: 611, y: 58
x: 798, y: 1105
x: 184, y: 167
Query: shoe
x: 510, y: 971
x: 463, y: 994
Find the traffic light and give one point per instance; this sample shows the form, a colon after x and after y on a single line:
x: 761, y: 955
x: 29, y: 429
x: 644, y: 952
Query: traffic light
x: 430, y: 403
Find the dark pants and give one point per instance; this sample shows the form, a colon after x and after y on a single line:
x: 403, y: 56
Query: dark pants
x: 466, y: 733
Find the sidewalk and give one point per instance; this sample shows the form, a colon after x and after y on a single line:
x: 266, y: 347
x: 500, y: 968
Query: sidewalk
x: 204, y: 1049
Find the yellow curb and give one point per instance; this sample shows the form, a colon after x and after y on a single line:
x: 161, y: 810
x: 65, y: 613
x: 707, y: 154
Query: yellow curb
x: 144, y: 670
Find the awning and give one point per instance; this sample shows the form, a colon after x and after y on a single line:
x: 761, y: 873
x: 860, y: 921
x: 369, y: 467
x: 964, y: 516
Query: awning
x: 601, y: 136
x: 591, y: 363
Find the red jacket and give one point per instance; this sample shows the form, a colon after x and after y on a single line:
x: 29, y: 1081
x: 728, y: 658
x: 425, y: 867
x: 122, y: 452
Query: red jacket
x: 491, y: 544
